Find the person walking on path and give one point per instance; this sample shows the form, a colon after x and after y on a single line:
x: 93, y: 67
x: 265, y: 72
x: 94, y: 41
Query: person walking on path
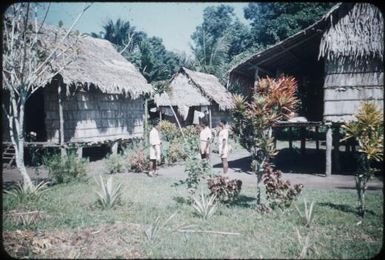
x: 205, y: 140
x: 223, y: 137
x: 155, y: 143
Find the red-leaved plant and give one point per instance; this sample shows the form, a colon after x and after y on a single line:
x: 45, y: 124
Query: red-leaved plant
x: 226, y: 190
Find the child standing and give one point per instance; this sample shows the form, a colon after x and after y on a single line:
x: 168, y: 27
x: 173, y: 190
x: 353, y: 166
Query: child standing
x: 155, y: 143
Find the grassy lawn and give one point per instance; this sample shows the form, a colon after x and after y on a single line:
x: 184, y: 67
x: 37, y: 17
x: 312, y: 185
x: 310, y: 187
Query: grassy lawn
x: 68, y: 210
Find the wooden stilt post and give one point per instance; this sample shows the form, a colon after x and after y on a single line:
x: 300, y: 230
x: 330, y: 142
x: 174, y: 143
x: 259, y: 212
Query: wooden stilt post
x: 61, y: 119
x: 114, y: 147
x: 290, y: 138
x: 303, y: 140
x: 160, y: 115
x: 336, y: 149
x: 329, y: 139
x: 316, y: 138
x: 79, y: 152
x: 275, y: 139
x: 211, y: 125
x: 145, y: 121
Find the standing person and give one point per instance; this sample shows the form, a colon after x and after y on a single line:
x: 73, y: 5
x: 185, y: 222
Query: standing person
x: 223, y: 137
x: 205, y: 140
x: 155, y: 143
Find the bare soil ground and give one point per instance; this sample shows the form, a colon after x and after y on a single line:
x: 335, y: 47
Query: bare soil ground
x: 308, y: 170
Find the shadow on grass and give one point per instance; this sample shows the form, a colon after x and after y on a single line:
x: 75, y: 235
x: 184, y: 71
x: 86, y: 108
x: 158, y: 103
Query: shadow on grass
x: 181, y: 200
x: 243, y: 201
x: 344, y: 208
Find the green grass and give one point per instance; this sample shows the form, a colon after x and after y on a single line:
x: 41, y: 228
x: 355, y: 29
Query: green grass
x: 334, y: 232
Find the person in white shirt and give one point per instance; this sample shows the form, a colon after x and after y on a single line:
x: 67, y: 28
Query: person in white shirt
x: 155, y: 143
x: 223, y: 137
x: 205, y: 140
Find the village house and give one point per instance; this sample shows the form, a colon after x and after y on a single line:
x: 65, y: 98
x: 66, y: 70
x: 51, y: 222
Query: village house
x: 191, y: 93
x: 98, y: 98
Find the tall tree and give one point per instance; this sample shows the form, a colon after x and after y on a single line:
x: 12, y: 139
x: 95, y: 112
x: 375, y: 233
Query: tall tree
x: 218, y: 39
x: 273, y: 22
x: 27, y: 66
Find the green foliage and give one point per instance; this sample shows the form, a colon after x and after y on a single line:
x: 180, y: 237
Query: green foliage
x: 273, y: 22
x: 137, y: 156
x: 204, y: 207
x: 307, y: 216
x: 368, y: 130
x: 225, y: 190
x: 67, y: 168
x: 153, y: 230
x: 23, y: 193
x: 220, y: 37
x: 115, y: 163
x: 109, y: 194
x: 168, y: 130
x: 279, y: 192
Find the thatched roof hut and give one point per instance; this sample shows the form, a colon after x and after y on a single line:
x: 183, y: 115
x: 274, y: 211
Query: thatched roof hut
x: 338, y: 62
x: 103, y: 100
x: 192, y: 88
x: 189, y: 88
x: 96, y: 63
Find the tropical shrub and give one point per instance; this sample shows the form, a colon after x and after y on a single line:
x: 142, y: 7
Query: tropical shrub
x: 109, y: 194
x: 224, y: 189
x: 272, y: 100
x: 137, y: 156
x: 67, y: 168
x: 168, y: 130
x: 205, y: 207
x: 279, y: 192
x: 367, y: 129
x: 22, y: 193
x: 115, y: 163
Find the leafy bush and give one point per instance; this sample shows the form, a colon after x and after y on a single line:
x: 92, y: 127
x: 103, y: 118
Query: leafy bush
x: 205, y: 207
x: 110, y: 194
x: 23, y: 193
x: 65, y: 169
x: 168, y: 130
x: 196, y: 169
x: 138, y: 162
x: 226, y: 190
x: 368, y: 130
x: 115, y: 163
x: 279, y: 192
x: 137, y: 157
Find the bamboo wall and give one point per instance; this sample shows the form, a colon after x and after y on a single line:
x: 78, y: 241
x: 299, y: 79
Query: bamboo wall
x: 349, y: 83
x: 93, y: 117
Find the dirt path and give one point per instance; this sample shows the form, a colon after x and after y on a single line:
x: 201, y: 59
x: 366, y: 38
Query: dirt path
x: 238, y: 164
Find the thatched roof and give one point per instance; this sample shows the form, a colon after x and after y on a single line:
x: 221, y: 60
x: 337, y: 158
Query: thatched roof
x: 181, y: 93
x: 191, y: 88
x: 97, y: 63
x: 360, y: 33
x: 299, y: 46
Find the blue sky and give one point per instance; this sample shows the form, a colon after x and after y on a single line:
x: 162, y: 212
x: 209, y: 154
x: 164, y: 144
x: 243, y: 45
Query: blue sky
x: 173, y: 22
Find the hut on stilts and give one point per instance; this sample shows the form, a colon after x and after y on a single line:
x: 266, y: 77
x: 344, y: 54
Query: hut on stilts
x: 338, y: 63
x: 191, y: 91
x: 97, y: 99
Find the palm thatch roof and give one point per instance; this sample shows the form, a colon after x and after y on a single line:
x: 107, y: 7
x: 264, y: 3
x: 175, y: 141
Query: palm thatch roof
x: 191, y: 88
x: 360, y: 34
x: 96, y: 63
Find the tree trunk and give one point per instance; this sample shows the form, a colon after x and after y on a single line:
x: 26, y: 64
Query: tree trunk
x: 19, y: 143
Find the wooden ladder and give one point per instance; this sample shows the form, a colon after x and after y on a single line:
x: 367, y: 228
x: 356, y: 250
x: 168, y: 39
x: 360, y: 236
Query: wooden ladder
x: 8, y: 155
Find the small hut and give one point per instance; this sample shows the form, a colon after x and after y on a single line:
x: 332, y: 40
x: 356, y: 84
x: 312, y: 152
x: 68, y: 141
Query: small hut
x: 96, y: 99
x: 190, y: 92
x: 338, y: 62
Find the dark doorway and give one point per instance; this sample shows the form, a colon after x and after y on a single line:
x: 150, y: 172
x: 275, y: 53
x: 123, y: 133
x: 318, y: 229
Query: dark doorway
x: 35, y: 117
